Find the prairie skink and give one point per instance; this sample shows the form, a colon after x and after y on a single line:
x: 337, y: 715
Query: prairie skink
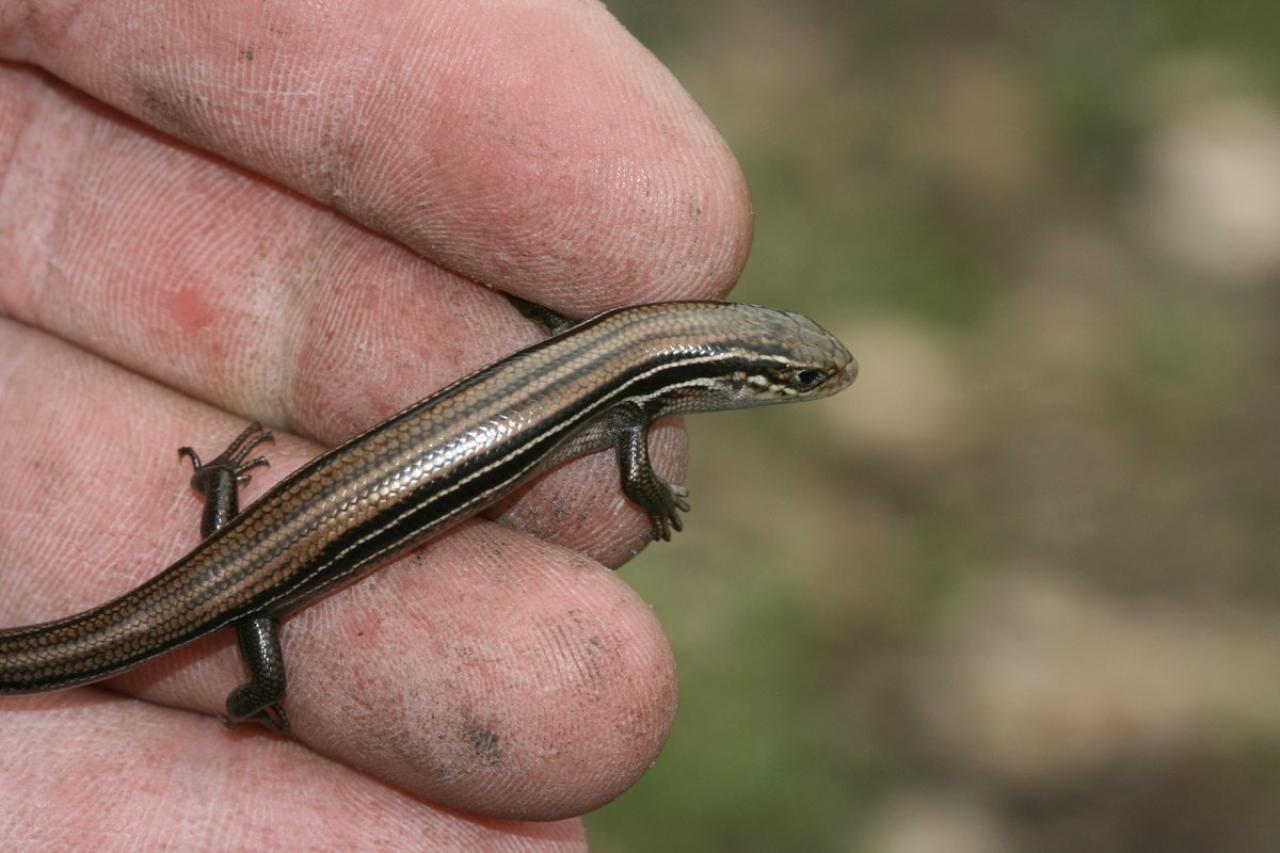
x: 599, y: 384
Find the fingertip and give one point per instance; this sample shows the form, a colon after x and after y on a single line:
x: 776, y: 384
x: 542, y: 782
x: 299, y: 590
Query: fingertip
x: 607, y: 700
x: 490, y: 672
x: 561, y: 160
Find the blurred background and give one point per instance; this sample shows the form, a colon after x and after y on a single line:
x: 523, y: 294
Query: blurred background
x: 1019, y: 589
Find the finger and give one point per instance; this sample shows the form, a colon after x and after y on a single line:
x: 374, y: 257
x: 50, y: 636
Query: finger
x: 213, y: 281
x: 534, y: 145
x: 250, y: 298
x: 84, y: 770
x: 489, y: 671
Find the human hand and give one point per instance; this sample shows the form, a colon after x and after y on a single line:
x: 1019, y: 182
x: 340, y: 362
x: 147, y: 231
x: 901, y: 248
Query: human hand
x: 161, y: 287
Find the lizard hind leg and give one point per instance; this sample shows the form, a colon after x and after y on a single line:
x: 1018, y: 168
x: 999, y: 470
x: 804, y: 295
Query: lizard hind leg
x: 218, y: 481
x: 259, y: 699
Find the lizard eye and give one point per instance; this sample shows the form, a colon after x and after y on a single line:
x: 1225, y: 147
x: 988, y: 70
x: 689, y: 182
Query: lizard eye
x: 807, y: 378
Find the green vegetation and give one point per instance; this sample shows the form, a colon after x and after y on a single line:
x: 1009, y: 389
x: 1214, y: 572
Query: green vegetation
x: 1020, y: 587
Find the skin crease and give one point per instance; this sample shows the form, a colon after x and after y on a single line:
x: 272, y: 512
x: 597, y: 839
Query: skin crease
x: 280, y: 212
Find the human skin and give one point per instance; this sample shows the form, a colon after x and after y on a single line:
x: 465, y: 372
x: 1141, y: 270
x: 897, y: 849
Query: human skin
x: 212, y: 213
